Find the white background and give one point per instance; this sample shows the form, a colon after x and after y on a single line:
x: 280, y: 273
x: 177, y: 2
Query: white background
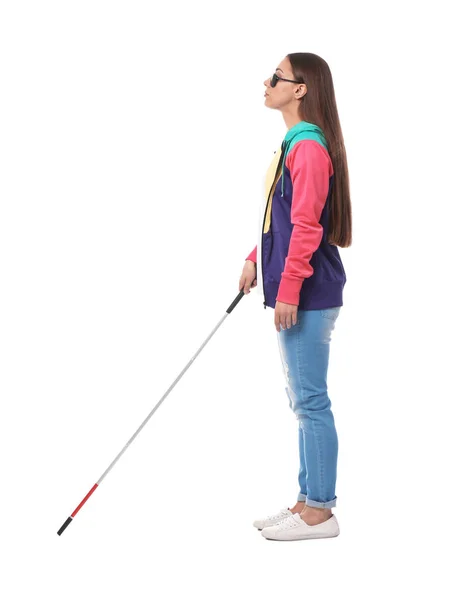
x: 134, y: 138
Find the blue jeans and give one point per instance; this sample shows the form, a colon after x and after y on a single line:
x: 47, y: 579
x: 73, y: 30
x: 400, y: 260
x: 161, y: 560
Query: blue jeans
x: 304, y: 350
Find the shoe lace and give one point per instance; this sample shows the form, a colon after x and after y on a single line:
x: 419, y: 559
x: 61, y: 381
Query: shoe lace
x: 288, y: 523
x: 280, y: 515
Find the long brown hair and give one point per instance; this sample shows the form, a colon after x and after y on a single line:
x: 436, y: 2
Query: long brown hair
x: 318, y: 106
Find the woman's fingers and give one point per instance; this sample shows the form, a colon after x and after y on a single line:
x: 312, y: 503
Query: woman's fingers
x: 247, y: 279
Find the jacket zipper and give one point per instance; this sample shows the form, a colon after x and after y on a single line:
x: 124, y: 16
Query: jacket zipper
x: 262, y: 250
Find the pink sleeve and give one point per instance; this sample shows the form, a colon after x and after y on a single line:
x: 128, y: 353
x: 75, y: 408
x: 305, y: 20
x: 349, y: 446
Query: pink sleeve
x: 253, y: 255
x: 310, y: 169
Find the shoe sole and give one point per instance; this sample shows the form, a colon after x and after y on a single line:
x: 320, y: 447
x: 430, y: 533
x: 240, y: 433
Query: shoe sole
x: 320, y: 537
x: 307, y: 537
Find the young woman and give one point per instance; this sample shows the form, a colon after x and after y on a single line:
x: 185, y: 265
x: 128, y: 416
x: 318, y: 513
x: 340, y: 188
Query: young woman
x: 305, y: 215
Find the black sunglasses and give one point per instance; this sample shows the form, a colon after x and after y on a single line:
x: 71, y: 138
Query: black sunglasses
x: 275, y: 78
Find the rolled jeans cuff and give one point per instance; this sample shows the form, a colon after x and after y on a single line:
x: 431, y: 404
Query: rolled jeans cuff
x: 315, y: 503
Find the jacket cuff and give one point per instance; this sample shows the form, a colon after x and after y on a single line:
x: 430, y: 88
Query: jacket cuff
x: 253, y: 255
x: 289, y: 290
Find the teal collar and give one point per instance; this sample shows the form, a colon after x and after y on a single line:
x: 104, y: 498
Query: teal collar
x: 300, y: 126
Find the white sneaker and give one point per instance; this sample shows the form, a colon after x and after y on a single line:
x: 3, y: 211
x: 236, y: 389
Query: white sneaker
x: 272, y: 520
x: 294, y: 528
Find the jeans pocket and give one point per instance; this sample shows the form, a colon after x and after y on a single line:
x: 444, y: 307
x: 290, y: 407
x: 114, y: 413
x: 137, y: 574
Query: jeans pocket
x: 330, y: 313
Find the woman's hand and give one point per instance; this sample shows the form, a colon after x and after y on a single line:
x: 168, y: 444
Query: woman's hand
x: 248, y: 277
x: 285, y: 315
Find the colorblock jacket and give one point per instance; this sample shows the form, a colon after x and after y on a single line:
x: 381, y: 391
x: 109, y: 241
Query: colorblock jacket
x: 294, y: 262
